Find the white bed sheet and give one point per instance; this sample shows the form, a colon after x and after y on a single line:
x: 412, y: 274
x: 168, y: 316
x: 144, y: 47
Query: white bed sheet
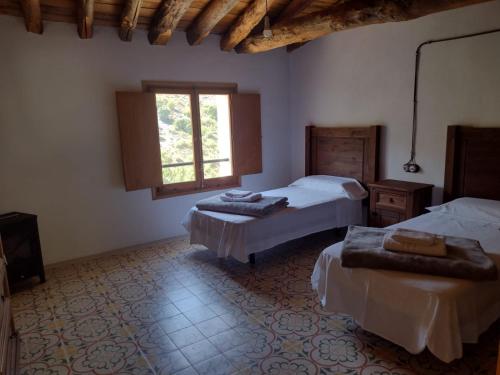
x: 309, y: 211
x: 413, y: 310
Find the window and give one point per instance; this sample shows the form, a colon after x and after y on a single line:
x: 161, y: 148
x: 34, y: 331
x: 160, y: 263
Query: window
x: 195, y: 137
x: 180, y: 138
x: 175, y: 123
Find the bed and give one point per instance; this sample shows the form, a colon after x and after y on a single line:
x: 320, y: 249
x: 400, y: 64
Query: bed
x: 348, y: 152
x: 420, y: 311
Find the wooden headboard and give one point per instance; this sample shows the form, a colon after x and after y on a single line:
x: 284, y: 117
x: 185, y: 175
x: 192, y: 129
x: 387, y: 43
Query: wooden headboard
x: 345, y: 152
x: 472, y: 163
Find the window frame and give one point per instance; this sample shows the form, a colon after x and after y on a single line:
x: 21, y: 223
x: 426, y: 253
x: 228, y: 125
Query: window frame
x: 194, y: 89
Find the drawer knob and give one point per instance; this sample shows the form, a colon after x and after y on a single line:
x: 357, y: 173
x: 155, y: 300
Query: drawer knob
x: 391, y: 200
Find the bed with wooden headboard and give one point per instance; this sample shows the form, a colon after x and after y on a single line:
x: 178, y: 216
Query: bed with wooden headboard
x: 423, y: 311
x: 344, y: 152
x: 472, y: 163
x: 315, y: 203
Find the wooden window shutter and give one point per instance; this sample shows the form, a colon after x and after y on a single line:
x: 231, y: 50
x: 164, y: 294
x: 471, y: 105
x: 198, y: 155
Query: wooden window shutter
x: 140, y: 144
x: 246, y: 134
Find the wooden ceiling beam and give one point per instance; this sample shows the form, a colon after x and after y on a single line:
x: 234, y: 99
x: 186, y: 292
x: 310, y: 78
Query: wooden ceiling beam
x: 245, y: 23
x: 207, y: 19
x: 292, y: 47
x: 85, y: 18
x: 129, y: 17
x: 354, y: 13
x: 165, y: 20
x: 292, y: 10
x: 32, y: 16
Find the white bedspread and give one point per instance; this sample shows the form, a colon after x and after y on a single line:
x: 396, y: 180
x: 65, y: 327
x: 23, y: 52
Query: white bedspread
x: 309, y: 211
x: 415, y: 310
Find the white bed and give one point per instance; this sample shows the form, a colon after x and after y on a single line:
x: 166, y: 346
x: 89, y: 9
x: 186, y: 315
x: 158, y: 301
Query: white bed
x: 316, y: 203
x: 418, y: 311
x: 350, y: 152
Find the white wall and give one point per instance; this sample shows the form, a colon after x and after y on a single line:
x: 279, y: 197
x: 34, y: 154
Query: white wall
x: 59, y: 143
x: 59, y: 147
x: 365, y: 76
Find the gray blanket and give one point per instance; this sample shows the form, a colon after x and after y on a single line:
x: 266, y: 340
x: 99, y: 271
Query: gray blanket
x: 465, y: 260
x: 263, y: 207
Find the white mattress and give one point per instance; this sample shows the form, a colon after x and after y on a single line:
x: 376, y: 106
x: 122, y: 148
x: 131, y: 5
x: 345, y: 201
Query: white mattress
x: 412, y: 310
x: 309, y: 211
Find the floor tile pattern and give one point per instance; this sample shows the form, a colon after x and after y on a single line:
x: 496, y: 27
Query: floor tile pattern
x: 172, y: 308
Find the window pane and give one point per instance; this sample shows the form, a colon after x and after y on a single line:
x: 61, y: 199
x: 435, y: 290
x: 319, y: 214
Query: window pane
x: 176, y: 137
x: 217, y: 169
x: 173, y: 175
x: 215, y: 136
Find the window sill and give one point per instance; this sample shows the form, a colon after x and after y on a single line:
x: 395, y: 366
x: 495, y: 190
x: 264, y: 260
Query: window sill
x: 167, y: 191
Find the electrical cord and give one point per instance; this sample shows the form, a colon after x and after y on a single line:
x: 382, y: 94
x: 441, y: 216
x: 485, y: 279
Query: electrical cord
x: 412, y: 166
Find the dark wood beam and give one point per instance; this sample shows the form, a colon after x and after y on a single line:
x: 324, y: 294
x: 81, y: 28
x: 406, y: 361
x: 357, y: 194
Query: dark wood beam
x: 292, y: 10
x: 85, y: 18
x: 165, y: 20
x: 208, y: 18
x: 245, y: 23
x: 292, y: 47
x: 349, y: 15
x: 32, y: 16
x: 129, y: 18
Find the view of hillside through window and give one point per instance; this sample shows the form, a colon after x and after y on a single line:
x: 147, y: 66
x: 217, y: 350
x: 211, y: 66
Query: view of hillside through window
x: 215, y: 135
x: 176, y: 136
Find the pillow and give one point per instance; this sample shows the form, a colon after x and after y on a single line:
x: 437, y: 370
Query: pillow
x: 471, y: 208
x: 350, y: 187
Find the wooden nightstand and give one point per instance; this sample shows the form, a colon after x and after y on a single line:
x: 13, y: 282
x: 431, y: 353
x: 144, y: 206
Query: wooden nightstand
x: 393, y: 201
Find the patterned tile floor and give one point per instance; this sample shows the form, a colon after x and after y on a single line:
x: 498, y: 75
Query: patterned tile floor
x: 170, y: 308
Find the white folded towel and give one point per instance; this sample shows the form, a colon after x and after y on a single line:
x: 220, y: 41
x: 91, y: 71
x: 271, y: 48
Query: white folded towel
x: 238, y: 193
x: 254, y: 197
x: 414, y: 237
x: 436, y: 249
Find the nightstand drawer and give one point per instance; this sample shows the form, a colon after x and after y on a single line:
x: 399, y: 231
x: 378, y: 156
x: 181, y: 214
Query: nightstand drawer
x: 382, y: 218
x: 390, y: 200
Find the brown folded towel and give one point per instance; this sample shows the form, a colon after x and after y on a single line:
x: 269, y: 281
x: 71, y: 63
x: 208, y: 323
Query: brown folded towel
x: 466, y: 259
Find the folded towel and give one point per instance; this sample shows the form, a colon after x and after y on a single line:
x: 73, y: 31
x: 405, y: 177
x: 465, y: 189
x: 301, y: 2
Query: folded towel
x: 437, y: 249
x: 254, y: 197
x: 262, y: 207
x: 362, y: 248
x: 414, y: 237
x: 237, y: 193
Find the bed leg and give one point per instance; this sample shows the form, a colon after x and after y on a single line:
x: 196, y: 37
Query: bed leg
x: 251, y: 258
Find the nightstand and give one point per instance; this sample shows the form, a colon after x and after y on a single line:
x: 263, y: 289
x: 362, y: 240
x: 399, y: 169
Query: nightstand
x: 21, y: 245
x: 393, y: 201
